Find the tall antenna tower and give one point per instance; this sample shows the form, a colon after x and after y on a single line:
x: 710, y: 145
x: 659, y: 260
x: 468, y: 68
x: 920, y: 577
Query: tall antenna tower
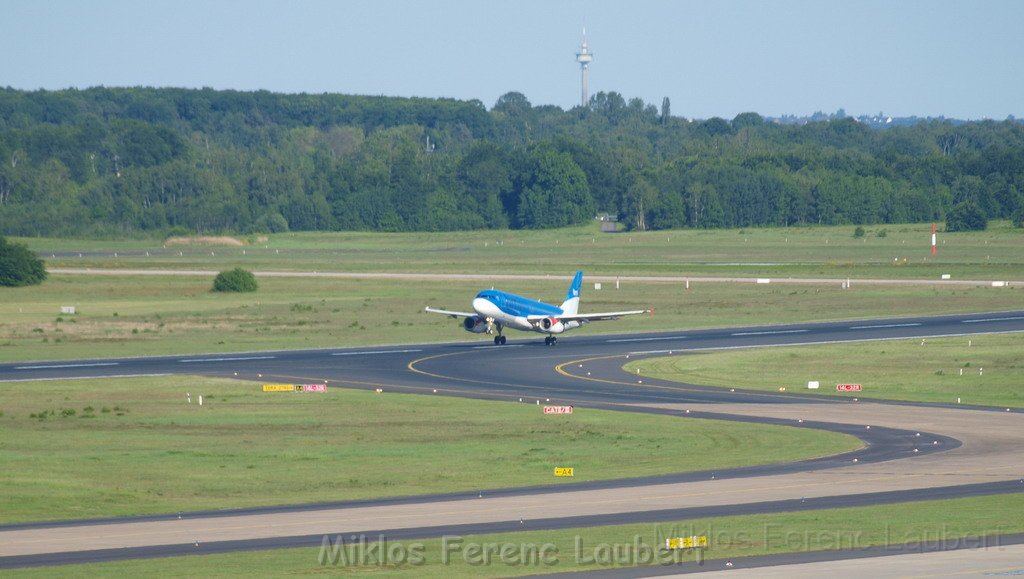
x: 584, y: 57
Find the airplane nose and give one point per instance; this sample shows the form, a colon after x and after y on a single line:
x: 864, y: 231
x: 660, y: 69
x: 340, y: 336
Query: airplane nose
x: 485, y: 307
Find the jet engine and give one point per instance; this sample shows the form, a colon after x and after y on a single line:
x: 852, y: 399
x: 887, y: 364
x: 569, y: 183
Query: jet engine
x: 475, y: 324
x: 552, y: 325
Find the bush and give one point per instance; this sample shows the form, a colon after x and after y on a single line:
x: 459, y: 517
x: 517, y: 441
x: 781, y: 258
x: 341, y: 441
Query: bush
x: 966, y: 216
x: 235, y: 280
x: 859, y: 232
x: 19, y: 266
x: 1018, y: 217
x: 276, y: 223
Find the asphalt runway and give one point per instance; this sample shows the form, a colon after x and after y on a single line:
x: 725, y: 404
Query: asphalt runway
x: 969, y: 448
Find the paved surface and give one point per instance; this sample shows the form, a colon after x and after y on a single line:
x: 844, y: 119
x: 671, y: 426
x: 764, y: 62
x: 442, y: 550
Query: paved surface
x: 507, y: 277
x: 525, y: 369
x: 968, y: 557
x: 1007, y: 561
x: 992, y: 447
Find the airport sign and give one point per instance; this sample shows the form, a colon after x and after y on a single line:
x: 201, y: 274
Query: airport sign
x: 558, y: 410
x: 686, y: 543
x: 279, y: 387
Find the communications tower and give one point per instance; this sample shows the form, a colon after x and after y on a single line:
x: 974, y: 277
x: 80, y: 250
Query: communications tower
x: 584, y: 57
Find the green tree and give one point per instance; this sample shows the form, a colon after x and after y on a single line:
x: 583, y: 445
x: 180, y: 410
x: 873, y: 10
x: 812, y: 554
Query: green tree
x: 638, y: 201
x: 19, y: 266
x: 557, y: 193
x: 112, y: 161
x: 235, y: 280
x: 747, y: 120
x: 1018, y: 217
x: 485, y: 173
x: 966, y: 216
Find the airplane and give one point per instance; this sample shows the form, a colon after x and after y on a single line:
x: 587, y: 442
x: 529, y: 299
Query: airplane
x: 494, y: 310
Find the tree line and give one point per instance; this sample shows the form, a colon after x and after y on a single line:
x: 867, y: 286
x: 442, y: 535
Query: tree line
x: 117, y: 161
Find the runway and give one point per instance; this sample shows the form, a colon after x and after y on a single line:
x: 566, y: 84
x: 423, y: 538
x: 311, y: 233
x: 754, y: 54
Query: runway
x: 916, y: 450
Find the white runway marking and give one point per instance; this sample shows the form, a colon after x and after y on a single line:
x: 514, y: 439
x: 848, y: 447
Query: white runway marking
x: 768, y: 333
x: 991, y: 320
x: 373, y: 352
x: 646, y: 339
x: 883, y: 326
x: 87, y: 377
x: 197, y: 360
x: 491, y: 347
x: 51, y: 366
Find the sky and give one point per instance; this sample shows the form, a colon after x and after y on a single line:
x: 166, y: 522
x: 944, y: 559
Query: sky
x: 955, y: 58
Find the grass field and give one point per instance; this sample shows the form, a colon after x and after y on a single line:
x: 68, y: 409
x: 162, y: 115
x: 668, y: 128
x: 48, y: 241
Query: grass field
x: 985, y: 370
x: 129, y: 446
x: 247, y: 448
x: 979, y: 520
x: 165, y: 315
x: 889, y: 251
x: 135, y: 316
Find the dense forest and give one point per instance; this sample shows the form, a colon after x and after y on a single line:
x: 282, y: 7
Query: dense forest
x: 117, y: 161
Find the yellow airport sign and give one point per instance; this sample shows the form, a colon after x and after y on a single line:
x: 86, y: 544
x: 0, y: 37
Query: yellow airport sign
x: 563, y: 471
x: 686, y: 543
x: 279, y: 387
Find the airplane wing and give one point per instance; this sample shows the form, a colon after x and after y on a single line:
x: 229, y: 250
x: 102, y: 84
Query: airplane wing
x: 594, y: 317
x: 450, y: 313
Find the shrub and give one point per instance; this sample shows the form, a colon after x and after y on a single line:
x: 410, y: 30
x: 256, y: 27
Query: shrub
x: 19, y: 266
x: 1018, y: 217
x: 966, y: 216
x: 235, y: 280
x: 859, y: 232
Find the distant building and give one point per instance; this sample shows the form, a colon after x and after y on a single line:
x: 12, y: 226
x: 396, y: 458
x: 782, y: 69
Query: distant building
x: 609, y: 223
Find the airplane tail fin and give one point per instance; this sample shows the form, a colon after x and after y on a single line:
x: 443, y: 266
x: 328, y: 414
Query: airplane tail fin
x: 571, y: 305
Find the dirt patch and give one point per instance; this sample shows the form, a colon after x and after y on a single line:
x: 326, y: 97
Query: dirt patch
x: 203, y: 240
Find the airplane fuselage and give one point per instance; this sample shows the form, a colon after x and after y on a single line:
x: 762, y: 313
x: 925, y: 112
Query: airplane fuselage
x: 513, y: 311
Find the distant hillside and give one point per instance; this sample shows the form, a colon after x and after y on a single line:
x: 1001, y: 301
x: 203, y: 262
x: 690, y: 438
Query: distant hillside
x: 113, y: 161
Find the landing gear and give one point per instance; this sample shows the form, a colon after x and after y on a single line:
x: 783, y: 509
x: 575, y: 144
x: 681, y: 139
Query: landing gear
x: 499, y: 340
x: 550, y: 340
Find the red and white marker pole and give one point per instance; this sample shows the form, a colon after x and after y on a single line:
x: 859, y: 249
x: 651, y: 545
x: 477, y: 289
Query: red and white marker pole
x: 933, y: 239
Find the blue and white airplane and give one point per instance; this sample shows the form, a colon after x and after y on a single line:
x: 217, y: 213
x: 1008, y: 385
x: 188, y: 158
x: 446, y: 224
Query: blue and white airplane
x: 494, y: 310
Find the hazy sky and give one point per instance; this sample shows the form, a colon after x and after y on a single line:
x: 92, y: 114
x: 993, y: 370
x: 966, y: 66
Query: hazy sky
x: 958, y: 58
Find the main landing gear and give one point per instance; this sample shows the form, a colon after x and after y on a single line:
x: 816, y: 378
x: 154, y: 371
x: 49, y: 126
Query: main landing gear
x: 550, y: 340
x: 499, y: 340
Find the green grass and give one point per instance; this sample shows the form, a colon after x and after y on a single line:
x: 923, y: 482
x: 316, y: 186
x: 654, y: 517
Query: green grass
x: 985, y: 370
x: 130, y: 446
x: 137, y: 316
x: 587, y: 548
x: 172, y: 315
x: 903, y: 252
